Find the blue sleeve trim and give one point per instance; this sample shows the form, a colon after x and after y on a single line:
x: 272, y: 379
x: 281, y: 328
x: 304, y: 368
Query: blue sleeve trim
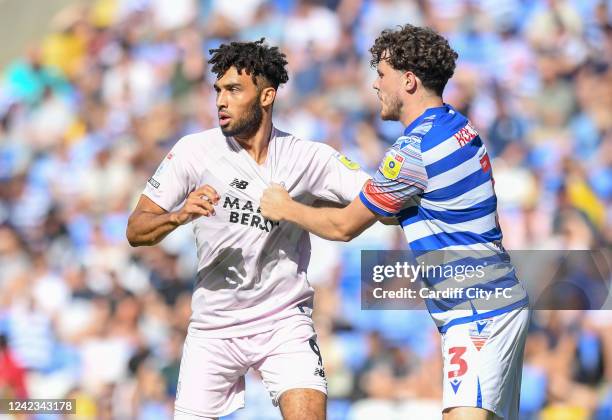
x: 374, y: 207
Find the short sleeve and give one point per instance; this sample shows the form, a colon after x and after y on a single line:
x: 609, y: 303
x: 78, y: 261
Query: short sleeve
x: 172, y: 181
x: 340, y: 179
x: 400, y: 176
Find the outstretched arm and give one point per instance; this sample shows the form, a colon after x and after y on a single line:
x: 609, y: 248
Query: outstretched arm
x: 336, y: 224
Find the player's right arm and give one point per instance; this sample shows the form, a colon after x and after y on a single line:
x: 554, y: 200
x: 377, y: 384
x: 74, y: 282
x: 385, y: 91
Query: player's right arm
x: 172, y: 197
x: 149, y: 223
x: 400, y: 176
x: 334, y: 224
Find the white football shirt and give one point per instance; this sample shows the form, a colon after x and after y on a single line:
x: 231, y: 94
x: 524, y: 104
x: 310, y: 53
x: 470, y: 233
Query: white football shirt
x: 251, y: 271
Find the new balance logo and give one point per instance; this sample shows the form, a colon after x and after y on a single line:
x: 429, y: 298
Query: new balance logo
x: 239, y: 184
x: 319, y: 372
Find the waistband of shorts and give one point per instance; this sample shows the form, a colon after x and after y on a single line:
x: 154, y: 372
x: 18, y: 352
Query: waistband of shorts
x: 233, y: 332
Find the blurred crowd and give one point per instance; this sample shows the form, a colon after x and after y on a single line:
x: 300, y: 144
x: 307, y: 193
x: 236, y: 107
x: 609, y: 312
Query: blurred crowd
x: 87, y: 114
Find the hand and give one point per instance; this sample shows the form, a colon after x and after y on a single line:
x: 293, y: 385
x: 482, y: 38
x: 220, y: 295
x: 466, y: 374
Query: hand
x: 274, y: 202
x: 199, y: 203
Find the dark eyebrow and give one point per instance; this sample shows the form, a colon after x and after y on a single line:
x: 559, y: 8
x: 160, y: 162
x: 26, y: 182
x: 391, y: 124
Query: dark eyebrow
x: 226, y: 86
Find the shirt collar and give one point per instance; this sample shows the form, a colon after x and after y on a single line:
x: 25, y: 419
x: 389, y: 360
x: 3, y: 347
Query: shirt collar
x: 438, y: 110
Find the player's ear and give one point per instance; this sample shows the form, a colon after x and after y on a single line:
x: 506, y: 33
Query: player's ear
x: 267, y: 96
x: 410, y: 81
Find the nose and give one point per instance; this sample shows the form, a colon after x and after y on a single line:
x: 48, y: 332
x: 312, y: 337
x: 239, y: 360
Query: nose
x: 375, y: 84
x: 221, y: 100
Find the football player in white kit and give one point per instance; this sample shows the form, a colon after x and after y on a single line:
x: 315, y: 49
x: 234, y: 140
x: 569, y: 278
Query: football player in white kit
x: 251, y: 303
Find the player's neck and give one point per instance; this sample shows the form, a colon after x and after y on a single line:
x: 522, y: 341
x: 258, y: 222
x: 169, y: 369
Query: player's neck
x: 257, y: 144
x: 416, y: 109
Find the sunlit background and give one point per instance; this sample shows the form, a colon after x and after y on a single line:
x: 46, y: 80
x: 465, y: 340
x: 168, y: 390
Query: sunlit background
x: 94, y: 93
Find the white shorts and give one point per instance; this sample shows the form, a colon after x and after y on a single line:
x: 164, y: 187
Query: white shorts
x: 483, y: 361
x: 211, y: 378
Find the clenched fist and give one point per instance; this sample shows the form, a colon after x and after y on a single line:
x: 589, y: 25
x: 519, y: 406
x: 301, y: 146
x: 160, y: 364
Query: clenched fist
x: 199, y: 203
x: 274, y: 202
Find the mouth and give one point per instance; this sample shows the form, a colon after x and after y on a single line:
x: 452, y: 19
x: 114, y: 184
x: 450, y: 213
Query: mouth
x: 224, y: 119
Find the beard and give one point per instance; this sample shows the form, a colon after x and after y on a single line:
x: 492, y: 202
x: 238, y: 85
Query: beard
x: 391, y: 109
x: 248, y: 124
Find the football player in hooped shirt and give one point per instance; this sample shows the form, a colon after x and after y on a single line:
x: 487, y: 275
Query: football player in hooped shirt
x: 437, y: 181
x: 252, y: 303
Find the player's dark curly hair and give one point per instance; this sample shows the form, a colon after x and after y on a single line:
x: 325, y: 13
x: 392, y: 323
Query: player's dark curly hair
x: 419, y: 50
x: 256, y: 58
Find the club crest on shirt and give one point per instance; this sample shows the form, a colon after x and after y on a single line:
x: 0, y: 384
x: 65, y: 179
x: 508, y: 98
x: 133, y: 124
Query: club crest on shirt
x: 347, y: 162
x: 409, y: 141
x: 392, y: 164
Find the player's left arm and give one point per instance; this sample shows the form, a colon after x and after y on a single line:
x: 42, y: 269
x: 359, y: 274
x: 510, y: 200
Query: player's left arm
x: 336, y: 224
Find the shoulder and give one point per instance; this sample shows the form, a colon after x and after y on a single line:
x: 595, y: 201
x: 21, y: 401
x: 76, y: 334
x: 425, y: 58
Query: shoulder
x: 442, y: 127
x: 410, y: 142
x: 191, y: 143
x: 301, y: 148
x: 195, y: 139
x: 314, y: 153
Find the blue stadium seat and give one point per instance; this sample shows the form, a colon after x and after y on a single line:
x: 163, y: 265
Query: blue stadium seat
x: 355, y: 348
x: 338, y: 409
x: 533, y: 390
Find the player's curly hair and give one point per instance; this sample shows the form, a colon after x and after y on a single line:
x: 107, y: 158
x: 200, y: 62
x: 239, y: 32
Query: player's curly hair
x: 420, y: 50
x: 256, y: 58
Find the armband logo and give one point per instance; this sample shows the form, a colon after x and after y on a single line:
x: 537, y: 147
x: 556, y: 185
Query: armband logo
x: 392, y: 164
x: 154, y: 183
x: 353, y: 166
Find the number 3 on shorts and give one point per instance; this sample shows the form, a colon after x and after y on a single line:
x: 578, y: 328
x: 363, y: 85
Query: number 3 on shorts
x: 456, y: 359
